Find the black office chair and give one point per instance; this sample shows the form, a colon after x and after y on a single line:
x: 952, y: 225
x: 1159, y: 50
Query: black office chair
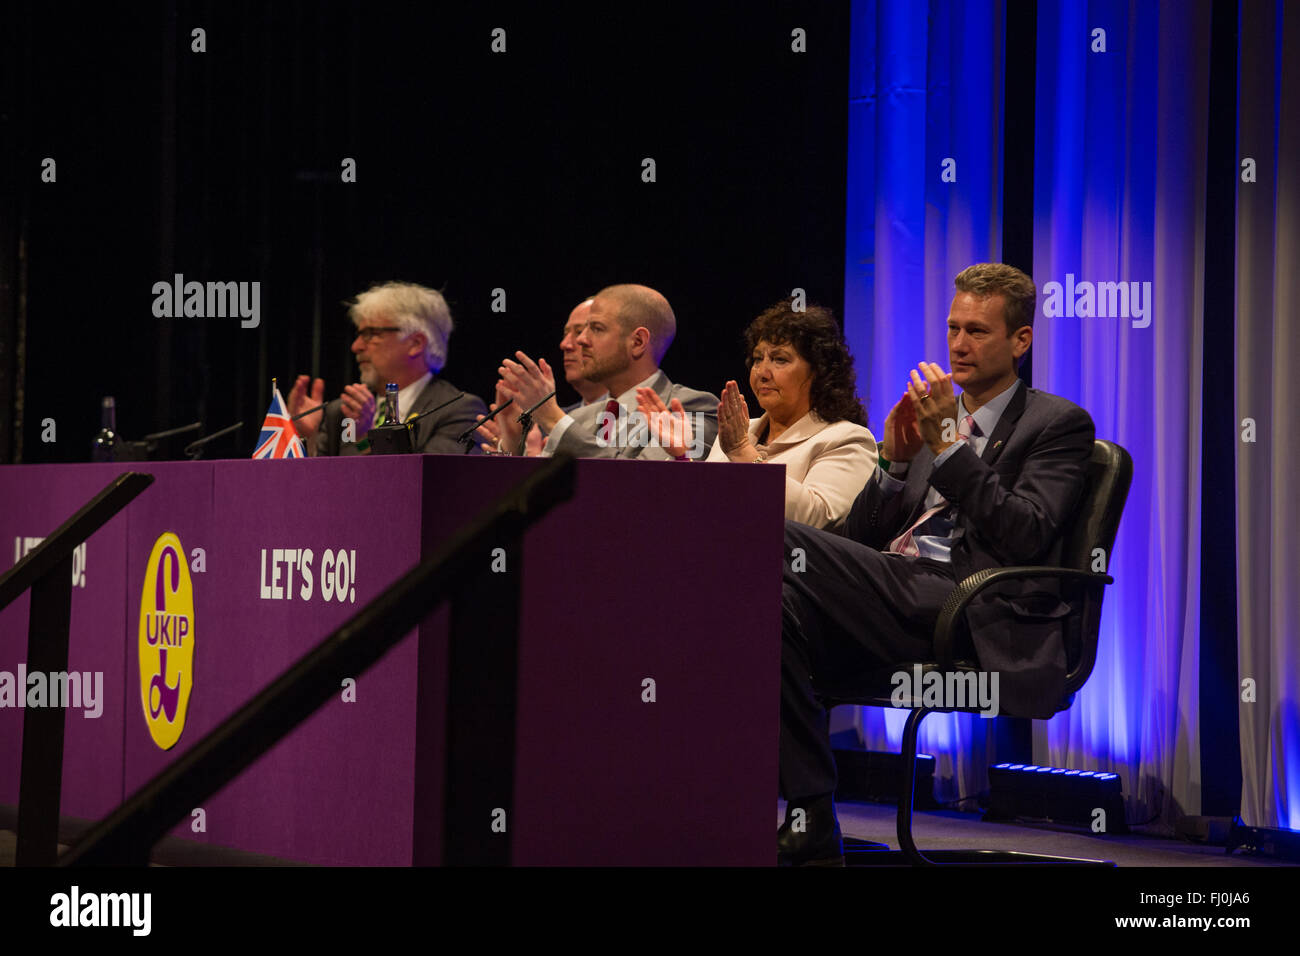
x: 1110, y: 472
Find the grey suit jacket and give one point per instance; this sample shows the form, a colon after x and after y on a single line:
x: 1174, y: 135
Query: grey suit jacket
x: 434, y: 435
x: 1013, y: 502
x: 580, y: 439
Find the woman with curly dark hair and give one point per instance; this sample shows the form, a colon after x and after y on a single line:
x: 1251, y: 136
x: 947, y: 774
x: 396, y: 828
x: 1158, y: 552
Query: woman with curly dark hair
x: 801, y: 373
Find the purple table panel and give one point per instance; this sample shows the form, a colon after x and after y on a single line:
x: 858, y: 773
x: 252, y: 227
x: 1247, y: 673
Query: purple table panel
x: 654, y: 571
x: 339, y: 788
x: 34, y: 500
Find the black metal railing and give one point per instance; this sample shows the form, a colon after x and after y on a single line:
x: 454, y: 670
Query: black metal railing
x: 47, y: 570
x: 482, y: 676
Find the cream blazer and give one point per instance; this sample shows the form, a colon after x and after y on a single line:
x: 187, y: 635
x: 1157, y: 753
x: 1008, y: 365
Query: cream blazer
x: 826, y: 465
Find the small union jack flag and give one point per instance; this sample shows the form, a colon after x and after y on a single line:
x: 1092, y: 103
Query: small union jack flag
x: 278, y: 438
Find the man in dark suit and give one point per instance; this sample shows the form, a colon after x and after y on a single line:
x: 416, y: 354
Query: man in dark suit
x: 402, y: 334
x: 981, y: 480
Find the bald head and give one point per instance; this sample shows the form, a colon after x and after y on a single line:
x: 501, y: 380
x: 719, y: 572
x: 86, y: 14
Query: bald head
x: 639, y: 306
x: 572, y: 353
x: 581, y: 311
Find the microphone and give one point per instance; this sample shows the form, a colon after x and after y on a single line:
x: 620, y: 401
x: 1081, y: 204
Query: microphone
x: 528, y: 415
x: 144, y: 449
x: 466, y: 436
x: 194, y: 450
x: 454, y: 398
x: 310, y: 411
x: 191, y: 427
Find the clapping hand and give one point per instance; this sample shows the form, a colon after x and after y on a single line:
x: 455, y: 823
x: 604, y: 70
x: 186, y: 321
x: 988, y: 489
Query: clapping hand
x: 489, y: 433
x: 528, y: 383
x: 902, y: 434
x: 535, y: 443
x: 935, y: 404
x: 358, y: 403
x: 670, y: 425
x: 492, y: 444
x: 500, y: 434
x: 733, y: 425
x: 299, y: 401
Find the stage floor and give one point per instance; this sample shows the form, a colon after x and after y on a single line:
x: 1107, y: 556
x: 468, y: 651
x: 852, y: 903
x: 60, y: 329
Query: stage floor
x: 955, y: 830
x: 937, y: 830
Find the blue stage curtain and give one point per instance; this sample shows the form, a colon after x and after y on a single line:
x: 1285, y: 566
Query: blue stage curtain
x: 925, y: 88
x: 1267, y: 393
x: 1119, y: 187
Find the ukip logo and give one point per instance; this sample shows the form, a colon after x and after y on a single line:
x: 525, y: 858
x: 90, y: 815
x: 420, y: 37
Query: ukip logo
x: 166, y: 641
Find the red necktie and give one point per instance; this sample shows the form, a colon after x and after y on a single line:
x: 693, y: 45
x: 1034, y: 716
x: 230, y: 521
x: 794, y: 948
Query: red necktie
x: 609, y: 422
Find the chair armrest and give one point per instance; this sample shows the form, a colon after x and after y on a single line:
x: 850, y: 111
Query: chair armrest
x: 962, y: 594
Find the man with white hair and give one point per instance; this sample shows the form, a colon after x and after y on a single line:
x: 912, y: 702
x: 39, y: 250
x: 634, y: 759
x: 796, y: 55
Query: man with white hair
x: 402, y: 333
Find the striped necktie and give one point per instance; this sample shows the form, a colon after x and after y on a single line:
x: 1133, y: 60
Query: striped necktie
x: 904, y: 544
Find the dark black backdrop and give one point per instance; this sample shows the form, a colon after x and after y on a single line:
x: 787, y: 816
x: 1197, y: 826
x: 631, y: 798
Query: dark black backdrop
x: 475, y: 171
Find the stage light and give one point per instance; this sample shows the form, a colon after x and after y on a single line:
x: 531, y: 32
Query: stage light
x: 1058, y: 794
x: 875, y: 776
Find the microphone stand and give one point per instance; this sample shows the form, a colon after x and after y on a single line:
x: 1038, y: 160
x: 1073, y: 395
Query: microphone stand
x: 467, y: 436
x: 144, y: 448
x: 194, y: 450
x: 526, y: 420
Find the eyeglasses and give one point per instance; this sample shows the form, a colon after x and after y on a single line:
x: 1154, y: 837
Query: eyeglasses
x: 372, y: 332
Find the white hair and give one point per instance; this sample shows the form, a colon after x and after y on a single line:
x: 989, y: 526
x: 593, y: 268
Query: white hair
x: 412, y: 308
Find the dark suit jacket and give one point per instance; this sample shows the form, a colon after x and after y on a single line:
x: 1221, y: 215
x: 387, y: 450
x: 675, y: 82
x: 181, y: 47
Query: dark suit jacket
x: 436, y: 434
x: 1012, y: 504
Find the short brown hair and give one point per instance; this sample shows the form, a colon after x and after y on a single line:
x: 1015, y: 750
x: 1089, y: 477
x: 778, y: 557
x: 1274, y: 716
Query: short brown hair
x: 1019, y: 296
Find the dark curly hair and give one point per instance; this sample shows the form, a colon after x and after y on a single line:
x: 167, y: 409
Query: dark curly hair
x: 816, y: 336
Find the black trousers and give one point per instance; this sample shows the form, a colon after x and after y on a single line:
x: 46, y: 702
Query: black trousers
x: 846, y: 610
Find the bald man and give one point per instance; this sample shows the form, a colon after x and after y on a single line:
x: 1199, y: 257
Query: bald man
x: 587, y: 391
x: 628, y: 330
x: 499, y: 440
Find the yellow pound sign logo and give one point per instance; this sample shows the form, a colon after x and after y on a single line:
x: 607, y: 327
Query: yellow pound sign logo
x: 166, y: 641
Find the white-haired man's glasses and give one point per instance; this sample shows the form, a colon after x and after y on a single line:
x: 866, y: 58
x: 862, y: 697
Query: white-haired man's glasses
x: 372, y: 332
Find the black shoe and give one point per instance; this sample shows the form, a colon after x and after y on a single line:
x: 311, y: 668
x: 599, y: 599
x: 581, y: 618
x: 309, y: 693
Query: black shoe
x: 817, y: 841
